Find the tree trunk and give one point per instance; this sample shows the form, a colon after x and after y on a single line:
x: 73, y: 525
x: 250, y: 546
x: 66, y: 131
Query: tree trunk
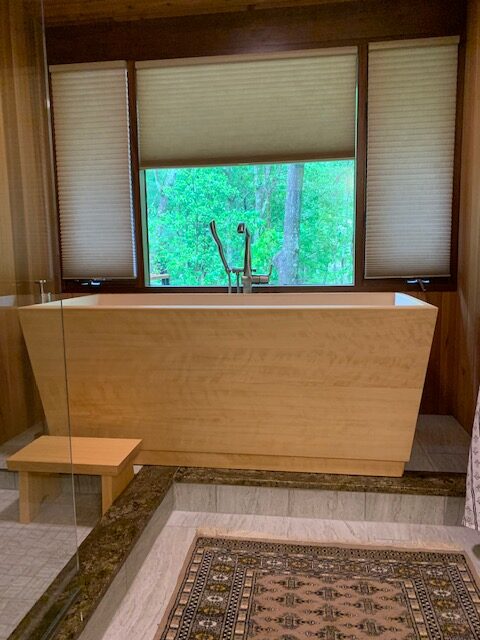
x: 264, y: 187
x: 286, y: 259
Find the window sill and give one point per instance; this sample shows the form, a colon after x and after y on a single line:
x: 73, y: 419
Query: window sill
x: 436, y: 285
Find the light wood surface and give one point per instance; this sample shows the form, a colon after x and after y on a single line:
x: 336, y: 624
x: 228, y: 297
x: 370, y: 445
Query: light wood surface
x: 39, y: 461
x: 272, y: 463
x: 58, y: 12
x: 60, y: 454
x: 34, y: 488
x: 342, y: 383
x: 113, y: 486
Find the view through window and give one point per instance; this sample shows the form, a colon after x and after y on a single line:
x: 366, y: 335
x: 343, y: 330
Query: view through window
x: 301, y: 217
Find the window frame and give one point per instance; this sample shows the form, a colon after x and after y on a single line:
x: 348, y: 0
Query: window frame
x: 437, y: 284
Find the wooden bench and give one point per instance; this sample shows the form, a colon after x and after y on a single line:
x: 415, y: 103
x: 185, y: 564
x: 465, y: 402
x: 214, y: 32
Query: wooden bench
x: 110, y: 458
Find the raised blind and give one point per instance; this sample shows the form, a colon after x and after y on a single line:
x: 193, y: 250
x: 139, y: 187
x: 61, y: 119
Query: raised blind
x: 91, y: 130
x: 205, y: 112
x: 411, y: 136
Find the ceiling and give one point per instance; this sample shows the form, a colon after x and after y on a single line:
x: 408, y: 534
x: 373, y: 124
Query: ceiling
x: 63, y: 12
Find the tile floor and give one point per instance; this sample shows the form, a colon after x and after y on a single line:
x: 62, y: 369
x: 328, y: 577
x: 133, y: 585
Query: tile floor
x: 440, y: 444
x: 142, y: 608
x: 32, y: 555
x: 21, y: 440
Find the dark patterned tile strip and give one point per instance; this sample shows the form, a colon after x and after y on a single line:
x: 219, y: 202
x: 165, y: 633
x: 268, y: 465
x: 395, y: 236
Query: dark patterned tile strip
x: 101, y: 556
x: 413, y: 482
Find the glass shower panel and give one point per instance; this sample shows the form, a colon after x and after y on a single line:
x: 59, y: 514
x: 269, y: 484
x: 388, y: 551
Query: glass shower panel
x: 38, y: 540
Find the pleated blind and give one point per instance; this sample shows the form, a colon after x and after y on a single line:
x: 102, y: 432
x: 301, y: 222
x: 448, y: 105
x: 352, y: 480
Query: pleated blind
x: 91, y: 128
x: 411, y: 134
x: 210, y: 112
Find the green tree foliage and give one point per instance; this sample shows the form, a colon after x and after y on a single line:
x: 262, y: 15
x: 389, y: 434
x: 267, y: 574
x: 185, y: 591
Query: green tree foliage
x: 181, y: 203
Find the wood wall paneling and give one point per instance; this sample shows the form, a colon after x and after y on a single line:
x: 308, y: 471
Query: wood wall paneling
x: 466, y: 374
x: 61, y: 12
x: 302, y: 27
x: 438, y: 391
x: 453, y: 375
x: 26, y: 212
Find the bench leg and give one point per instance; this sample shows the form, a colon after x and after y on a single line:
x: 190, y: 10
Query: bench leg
x: 33, y: 489
x: 112, y: 486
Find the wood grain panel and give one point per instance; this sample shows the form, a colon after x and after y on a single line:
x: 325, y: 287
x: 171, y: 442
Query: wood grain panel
x: 273, y: 463
x: 27, y: 163
x: 48, y: 348
x: 60, y: 12
x: 453, y: 376
x: 303, y: 27
x: 466, y: 377
x: 26, y: 236
x: 20, y: 406
x: 438, y: 392
x: 90, y: 456
x: 338, y: 383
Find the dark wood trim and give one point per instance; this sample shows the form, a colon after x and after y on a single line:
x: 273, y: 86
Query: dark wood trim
x: 135, y: 169
x: 392, y: 284
x: 457, y: 161
x: 55, y: 181
x: 144, y: 228
x: 361, y: 165
x: 297, y: 28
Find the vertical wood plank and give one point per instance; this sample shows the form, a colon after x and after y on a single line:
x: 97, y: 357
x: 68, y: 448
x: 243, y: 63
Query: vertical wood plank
x: 113, y: 486
x: 26, y: 221
x: 467, y: 335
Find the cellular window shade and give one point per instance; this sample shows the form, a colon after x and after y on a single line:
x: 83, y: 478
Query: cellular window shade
x: 91, y: 129
x: 411, y: 135
x: 242, y: 110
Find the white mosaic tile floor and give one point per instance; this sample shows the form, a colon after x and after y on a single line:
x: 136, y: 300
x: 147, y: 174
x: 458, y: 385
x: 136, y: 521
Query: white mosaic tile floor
x: 32, y: 555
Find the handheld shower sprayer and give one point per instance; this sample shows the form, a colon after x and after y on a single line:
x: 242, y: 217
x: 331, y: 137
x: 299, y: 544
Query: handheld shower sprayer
x: 218, y: 242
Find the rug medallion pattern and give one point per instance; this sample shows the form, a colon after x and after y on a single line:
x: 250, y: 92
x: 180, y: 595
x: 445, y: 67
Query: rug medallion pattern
x: 239, y: 589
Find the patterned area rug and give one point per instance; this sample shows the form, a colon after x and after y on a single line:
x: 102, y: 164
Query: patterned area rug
x: 234, y: 589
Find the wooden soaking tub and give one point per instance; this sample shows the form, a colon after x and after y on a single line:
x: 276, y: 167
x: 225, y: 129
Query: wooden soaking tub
x: 327, y: 382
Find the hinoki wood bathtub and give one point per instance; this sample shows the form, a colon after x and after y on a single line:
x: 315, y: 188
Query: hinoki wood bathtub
x: 327, y: 382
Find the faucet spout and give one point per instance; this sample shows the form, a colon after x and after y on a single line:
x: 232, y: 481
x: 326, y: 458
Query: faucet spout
x: 247, y: 258
x: 248, y: 276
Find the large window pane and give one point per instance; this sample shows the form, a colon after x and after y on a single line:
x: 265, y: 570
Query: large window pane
x: 301, y: 217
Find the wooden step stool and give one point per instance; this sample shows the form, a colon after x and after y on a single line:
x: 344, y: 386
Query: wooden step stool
x: 110, y: 458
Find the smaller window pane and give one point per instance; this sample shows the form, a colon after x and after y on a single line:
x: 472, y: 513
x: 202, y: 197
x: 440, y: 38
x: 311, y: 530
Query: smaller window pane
x: 301, y: 217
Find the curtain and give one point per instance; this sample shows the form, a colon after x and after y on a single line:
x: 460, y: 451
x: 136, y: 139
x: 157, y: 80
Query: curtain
x: 472, y: 503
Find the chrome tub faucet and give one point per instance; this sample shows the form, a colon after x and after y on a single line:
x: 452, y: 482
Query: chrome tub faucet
x: 248, y: 276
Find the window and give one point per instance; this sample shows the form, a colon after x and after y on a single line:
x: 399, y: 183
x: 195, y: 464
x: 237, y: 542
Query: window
x: 268, y: 141
x: 301, y: 217
x: 271, y: 141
